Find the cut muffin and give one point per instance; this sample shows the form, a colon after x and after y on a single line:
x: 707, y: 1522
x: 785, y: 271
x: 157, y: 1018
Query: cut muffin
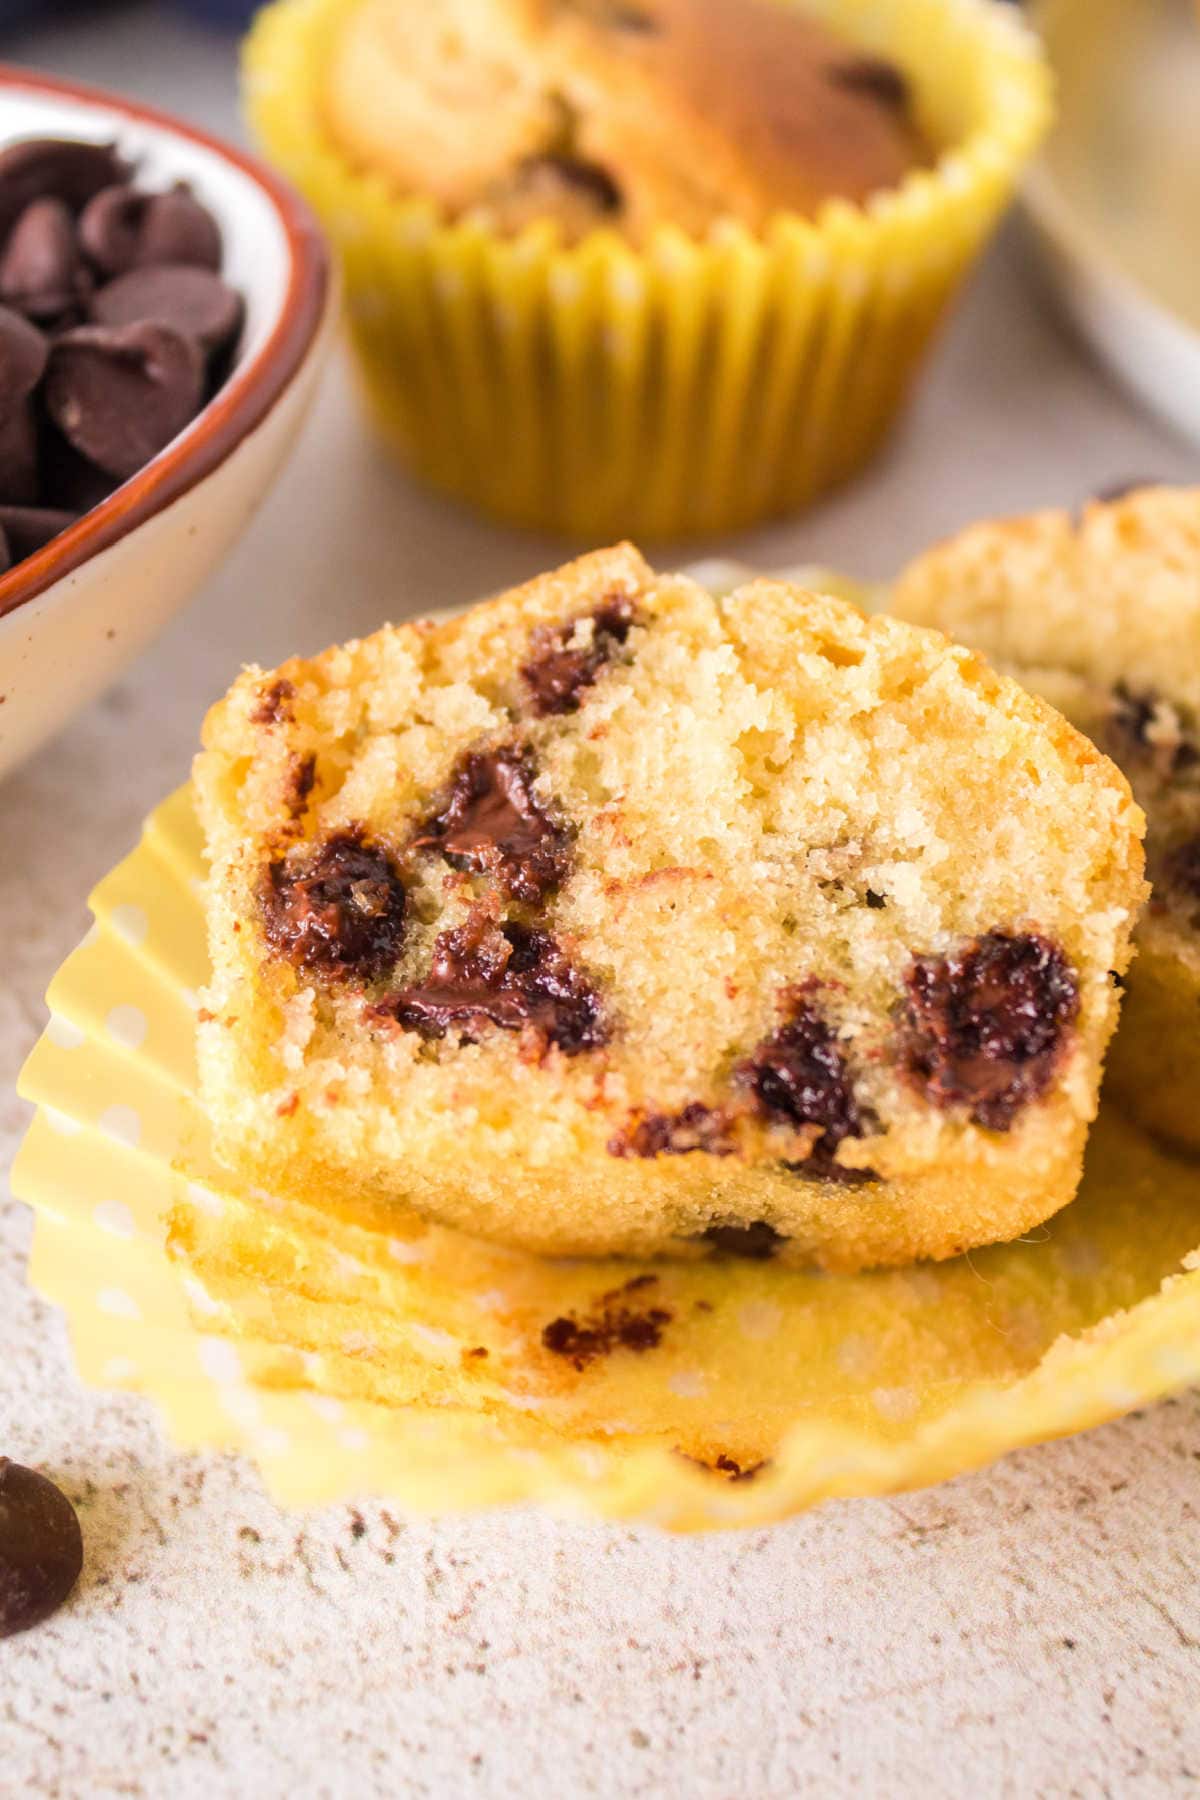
x: 611, y: 917
x: 592, y: 113
x: 1101, y: 615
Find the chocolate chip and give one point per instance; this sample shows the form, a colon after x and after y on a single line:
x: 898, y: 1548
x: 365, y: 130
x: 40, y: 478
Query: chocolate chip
x: 591, y: 179
x: 23, y: 353
x: 612, y: 1324
x: 756, y: 1242
x: 190, y: 300
x: 875, y: 901
x: 1121, y: 490
x: 493, y: 824
x: 799, y: 1075
x: 335, y: 910
x: 28, y: 528
x: 822, y: 1167
x: 41, y: 1548
x: 68, y: 169
x: 503, y: 975
x: 985, y: 1028
x: 875, y: 77
x: 275, y: 704
x: 119, y: 394
x: 1181, y: 870
x: 124, y: 228
x: 68, y: 480
x: 177, y: 229
x: 559, y: 670
x: 694, y: 1127
x: 42, y: 273
x: 6, y: 555
x: 18, y: 454
x: 1141, y: 723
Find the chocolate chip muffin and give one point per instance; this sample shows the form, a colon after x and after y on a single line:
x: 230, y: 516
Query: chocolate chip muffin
x: 598, y: 112
x: 1101, y: 615
x: 611, y: 917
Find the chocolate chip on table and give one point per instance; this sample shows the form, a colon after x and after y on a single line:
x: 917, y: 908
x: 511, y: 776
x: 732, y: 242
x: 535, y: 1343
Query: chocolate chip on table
x: 28, y: 528
x: 119, y: 394
x: 493, y: 824
x: 41, y: 1548
x: 799, y: 1076
x: 124, y: 227
x: 336, y: 910
x: 188, y: 299
x: 503, y: 975
x: 560, y: 670
x: 986, y: 1027
x: 757, y: 1242
x: 42, y: 272
x: 68, y: 169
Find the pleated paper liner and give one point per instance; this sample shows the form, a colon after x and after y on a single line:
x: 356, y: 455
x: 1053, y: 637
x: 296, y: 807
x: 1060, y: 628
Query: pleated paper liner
x: 688, y: 386
x: 372, y: 1354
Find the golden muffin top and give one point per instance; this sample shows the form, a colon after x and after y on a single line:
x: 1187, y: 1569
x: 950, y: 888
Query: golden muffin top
x: 603, y: 112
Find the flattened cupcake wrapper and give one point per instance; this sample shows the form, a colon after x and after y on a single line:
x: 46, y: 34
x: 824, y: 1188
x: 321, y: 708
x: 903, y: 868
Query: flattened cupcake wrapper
x: 374, y: 1354
x: 688, y: 386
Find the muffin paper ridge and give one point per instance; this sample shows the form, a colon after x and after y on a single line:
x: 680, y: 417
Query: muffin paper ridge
x: 686, y: 386
x: 342, y: 1353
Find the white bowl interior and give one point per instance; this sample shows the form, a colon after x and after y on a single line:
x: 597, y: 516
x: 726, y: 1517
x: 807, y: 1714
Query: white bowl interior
x: 256, y: 259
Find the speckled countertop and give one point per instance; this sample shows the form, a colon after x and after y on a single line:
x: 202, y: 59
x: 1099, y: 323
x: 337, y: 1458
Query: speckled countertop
x: 1033, y: 1629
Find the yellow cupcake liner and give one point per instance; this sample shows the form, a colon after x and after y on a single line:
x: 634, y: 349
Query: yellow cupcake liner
x: 344, y: 1351
x: 689, y: 386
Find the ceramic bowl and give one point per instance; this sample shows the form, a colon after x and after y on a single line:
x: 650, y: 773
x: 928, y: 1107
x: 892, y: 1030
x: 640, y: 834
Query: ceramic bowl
x: 73, y: 615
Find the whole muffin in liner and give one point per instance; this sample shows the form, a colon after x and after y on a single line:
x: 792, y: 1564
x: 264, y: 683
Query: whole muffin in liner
x: 686, y: 385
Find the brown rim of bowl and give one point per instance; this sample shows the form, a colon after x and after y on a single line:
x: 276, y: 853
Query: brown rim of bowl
x: 241, y: 404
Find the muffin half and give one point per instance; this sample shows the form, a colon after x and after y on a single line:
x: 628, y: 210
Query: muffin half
x: 1101, y: 615
x: 614, y: 918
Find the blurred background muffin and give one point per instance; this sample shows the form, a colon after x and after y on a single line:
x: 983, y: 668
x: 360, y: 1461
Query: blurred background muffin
x: 654, y: 267
x: 599, y: 112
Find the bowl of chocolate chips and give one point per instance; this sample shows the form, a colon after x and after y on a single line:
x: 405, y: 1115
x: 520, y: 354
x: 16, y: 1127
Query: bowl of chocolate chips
x: 164, y: 305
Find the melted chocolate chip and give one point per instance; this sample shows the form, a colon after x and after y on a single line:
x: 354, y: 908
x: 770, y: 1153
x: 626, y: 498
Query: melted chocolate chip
x: 275, y: 704
x: 799, y: 1075
x: 41, y: 1548
x: 756, y: 1242
x: 986, y: 1027
x: 502, y: 975
x: 335, y: 910
x: 591, y: 179
x: 694, y: 1127
x: 494, y: 825
x: 1133, y: 718
x: 1181, y: 870
x: 558, y: 671
x: 820, y: 1167
x: 875, y: 77
x: 119, y: 394
x: 613, y: 1324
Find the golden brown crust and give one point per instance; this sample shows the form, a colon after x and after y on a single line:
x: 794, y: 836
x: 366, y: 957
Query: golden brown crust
x: 678, y: 111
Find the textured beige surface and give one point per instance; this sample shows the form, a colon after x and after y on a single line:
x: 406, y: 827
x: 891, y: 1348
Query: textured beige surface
x: 1034, y: 1629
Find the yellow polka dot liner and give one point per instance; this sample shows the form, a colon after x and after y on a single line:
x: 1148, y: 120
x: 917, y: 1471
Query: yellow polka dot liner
x: 690, y: 386
x: 365, y: 1352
